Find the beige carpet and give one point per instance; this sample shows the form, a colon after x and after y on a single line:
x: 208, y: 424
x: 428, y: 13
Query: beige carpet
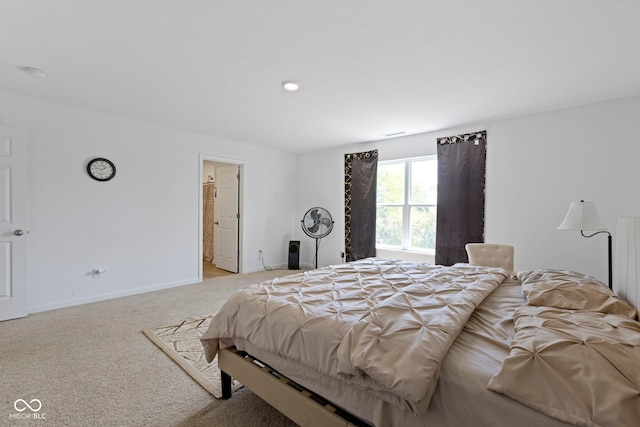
x: 181, y: 342
x: 91, y: 365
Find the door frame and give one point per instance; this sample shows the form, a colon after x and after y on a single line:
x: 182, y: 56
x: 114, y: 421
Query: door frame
x: 240, y: 163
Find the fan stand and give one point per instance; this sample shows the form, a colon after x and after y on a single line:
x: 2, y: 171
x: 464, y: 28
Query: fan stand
x: 316, y: 257
x: 315, y: 228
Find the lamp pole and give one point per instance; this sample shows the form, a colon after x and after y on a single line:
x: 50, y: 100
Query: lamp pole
x: 609, y: 239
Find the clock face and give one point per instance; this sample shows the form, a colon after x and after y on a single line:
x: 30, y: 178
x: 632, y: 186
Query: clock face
x: 101, y: 169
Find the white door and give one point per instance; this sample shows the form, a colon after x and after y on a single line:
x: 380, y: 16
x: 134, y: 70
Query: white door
x: 13, y: 217
x: 226, y: 218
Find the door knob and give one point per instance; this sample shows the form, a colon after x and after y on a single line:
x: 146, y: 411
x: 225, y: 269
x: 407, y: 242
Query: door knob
x: 216, y: 223
x: 18, y: 232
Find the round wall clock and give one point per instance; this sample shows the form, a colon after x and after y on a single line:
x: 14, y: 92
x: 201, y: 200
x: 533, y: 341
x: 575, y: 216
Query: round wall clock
x: 101, y: 169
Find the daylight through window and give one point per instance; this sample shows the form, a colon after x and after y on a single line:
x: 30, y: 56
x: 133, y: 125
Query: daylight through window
x: 406, y: 204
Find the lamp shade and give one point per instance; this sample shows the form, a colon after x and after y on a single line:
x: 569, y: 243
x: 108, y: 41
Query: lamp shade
x: 582, y: 216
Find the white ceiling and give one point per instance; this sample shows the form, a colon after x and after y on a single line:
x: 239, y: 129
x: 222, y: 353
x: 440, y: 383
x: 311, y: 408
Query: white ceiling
x: 367, y: 67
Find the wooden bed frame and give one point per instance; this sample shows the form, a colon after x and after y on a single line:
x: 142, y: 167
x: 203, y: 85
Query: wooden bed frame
x: 291, y: 399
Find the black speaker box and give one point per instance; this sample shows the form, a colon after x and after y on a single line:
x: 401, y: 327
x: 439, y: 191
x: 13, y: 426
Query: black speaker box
x: 294, y: 254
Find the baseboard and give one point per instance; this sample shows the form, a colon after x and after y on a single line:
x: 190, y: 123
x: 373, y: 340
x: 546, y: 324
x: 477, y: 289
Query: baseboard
x: 108, y: 296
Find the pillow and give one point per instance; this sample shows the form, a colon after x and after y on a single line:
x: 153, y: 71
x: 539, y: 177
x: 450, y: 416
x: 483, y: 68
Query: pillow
x: 578, y: 367
x: 572, y: 291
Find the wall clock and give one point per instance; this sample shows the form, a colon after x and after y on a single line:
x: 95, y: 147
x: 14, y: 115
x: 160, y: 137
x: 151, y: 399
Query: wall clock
x: 101, y: 169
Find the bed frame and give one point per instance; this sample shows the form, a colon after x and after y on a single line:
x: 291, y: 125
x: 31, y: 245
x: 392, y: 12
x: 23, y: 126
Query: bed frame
x: 293, y: 400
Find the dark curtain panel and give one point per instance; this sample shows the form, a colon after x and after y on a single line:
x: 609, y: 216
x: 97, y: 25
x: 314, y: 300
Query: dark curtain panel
x: 360, y: 180
x: 461, y: 183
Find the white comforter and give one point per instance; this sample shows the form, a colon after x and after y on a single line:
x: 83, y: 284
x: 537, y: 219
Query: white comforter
x: 385, y: 324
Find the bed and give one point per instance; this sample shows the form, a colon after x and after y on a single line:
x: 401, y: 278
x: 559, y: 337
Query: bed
x: 390, y: 343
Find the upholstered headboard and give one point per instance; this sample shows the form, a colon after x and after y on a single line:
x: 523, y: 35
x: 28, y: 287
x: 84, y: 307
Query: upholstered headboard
x: 626, y: 260
x: 490, y: 255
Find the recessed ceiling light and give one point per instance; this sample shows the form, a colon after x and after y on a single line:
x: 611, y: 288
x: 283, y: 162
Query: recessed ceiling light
x: 33, y: 72
x: 291, y: 85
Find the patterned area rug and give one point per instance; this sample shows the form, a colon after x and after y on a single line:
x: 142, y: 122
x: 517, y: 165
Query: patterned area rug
x: 181, y: 342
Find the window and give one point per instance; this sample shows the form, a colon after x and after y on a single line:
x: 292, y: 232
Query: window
x: 406, y: 204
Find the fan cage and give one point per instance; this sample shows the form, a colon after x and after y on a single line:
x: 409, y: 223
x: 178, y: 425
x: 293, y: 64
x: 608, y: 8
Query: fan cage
x: 315, y: 220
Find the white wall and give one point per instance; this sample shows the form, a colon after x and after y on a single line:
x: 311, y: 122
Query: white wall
x: 536, y: 165
x: 545, y: 161
x: 143, y: 226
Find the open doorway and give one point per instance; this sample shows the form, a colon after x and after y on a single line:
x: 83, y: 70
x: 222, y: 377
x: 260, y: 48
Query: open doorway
x: 220, y: 225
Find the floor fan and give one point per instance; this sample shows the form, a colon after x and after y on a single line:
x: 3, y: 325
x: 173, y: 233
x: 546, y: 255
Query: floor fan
x: 317, y: 223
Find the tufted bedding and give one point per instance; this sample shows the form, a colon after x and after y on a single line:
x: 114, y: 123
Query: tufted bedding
x: 386, y: 324
x: 577, y: 350
x: 392, y: 342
